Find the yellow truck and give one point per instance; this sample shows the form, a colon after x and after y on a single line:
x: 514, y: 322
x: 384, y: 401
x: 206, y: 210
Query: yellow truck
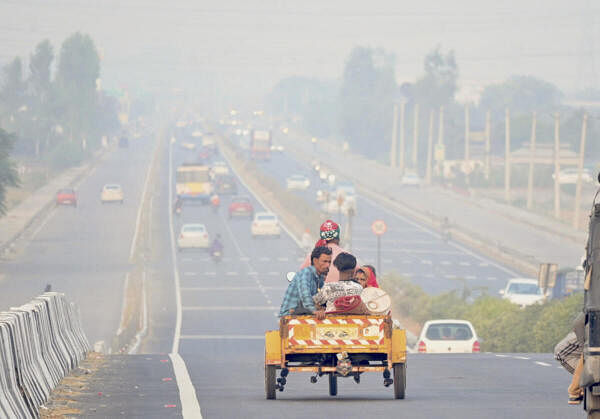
x: 337, y: 346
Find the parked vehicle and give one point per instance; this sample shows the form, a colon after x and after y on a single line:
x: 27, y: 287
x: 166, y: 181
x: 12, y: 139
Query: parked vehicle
x: 410, y: 179
x: 448, y: 336
x: 523, y: 291
x: 569, y: 176
x: 265, y: 224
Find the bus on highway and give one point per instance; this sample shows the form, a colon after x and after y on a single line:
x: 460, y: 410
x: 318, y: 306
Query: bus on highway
x: 193, y: 182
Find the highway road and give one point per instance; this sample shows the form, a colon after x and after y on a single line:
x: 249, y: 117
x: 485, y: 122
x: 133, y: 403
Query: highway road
x: 407, y: 248
x: 227, y: 306
x: 84, y: 251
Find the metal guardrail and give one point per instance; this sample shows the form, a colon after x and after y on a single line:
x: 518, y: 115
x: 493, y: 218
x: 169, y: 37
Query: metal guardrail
x: 40, y: 342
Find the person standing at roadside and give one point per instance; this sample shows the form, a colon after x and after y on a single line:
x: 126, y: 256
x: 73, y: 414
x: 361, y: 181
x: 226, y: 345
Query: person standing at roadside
x: 330, y: 233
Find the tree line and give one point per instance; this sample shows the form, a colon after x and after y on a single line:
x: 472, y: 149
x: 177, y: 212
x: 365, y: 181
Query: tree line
x: 358, y: 107
x: 53, y: 109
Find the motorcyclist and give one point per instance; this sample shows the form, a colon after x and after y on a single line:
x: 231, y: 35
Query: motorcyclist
x: 215, y: 201
x: 178, y: 206
x: 217, y: 245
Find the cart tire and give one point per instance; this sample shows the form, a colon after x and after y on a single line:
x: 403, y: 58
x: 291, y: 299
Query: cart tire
x: 399, y: 380
x: 332, y: 384
x: 270, y: 374
x: 594, y: 414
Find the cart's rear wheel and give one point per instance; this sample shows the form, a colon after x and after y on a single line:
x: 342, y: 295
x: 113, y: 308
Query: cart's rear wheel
x: 399, y: 380
x: 270, y: 389
x: 332, y: 384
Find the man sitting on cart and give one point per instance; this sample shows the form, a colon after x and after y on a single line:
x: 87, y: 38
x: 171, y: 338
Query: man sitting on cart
x: 298, y: 298
x: 345, y: 264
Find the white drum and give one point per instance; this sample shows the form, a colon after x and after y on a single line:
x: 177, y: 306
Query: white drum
x: 377, y: 300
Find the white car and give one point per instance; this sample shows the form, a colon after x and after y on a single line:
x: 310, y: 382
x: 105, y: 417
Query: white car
x: 277, y: 147
x: 297, y: 182
x: 332, y: 207
x: 569, y: 176
x: 193, y: 236
x: 410, y: 179
x: 448, y: 336
x: 220, y: 168
x: 265, y: 224
x: 188, y: 146
x: 523, y: 291
x: 111, y: 193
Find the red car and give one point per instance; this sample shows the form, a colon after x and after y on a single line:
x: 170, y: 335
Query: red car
x: 241, y: 207
x: 66, y: 196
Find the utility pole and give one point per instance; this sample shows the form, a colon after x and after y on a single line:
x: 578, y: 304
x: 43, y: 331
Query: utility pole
x: 531, y: 164
x: 507, y: 156
x: 556, y: 165
x: 579, y: 171
x: 488, y: 142
x: 467, y: 133
x: 441, y: 140
x: 415, y: 137
x: 429, y: 149
x: 402, y: 139
x: 393, y: 152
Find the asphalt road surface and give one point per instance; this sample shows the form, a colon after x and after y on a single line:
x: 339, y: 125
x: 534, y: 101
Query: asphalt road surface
x: 227, y: 306
x: 84, y: 251
x: 408, y: 249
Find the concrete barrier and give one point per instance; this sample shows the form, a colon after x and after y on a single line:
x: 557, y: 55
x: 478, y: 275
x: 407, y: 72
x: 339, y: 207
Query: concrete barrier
x: 40, y: 342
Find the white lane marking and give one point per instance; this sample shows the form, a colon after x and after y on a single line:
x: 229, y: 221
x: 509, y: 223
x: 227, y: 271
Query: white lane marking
x: 429, y: 276
x: 446, y: 262
x: 245, y: 259
x: 123, y: 305
x: 229, y: 308
x: 543, y: 364
x: 283, y: 259
x: 139, y: 214
x: 274, y: 273
x: 252, y: 273
x: 450, y: 276
x: 464, y: 263
x: 187, y: 259
x: 491, y: 278
x: 484, y: 264
x: 223, y: 337
x: 471, y: 277
x: 407, y: 274
x: 190, y: 408
x: 387, y: 261
x: 521, y: 357
x: 42, y: 224
x: 452, y: 243
x: 231, y: 273
x: 210, y: 273
x: 190, y: 274
x: 501, y: 356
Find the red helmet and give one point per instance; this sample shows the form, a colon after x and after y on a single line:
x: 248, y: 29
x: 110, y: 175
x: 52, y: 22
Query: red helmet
x: 320, y: 243
x: 329, y: 230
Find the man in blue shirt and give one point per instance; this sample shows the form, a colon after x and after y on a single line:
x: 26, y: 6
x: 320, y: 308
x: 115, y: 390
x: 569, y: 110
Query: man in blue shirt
x: 307, y: 282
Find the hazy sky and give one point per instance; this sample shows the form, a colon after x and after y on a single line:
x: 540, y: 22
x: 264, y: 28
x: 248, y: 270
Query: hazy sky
x: 248, y: 46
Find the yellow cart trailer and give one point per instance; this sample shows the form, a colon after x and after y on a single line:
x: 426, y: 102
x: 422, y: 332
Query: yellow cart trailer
x: 338, y: 346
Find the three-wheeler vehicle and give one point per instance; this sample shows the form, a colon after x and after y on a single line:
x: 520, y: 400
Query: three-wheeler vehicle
x: 338, y: 346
